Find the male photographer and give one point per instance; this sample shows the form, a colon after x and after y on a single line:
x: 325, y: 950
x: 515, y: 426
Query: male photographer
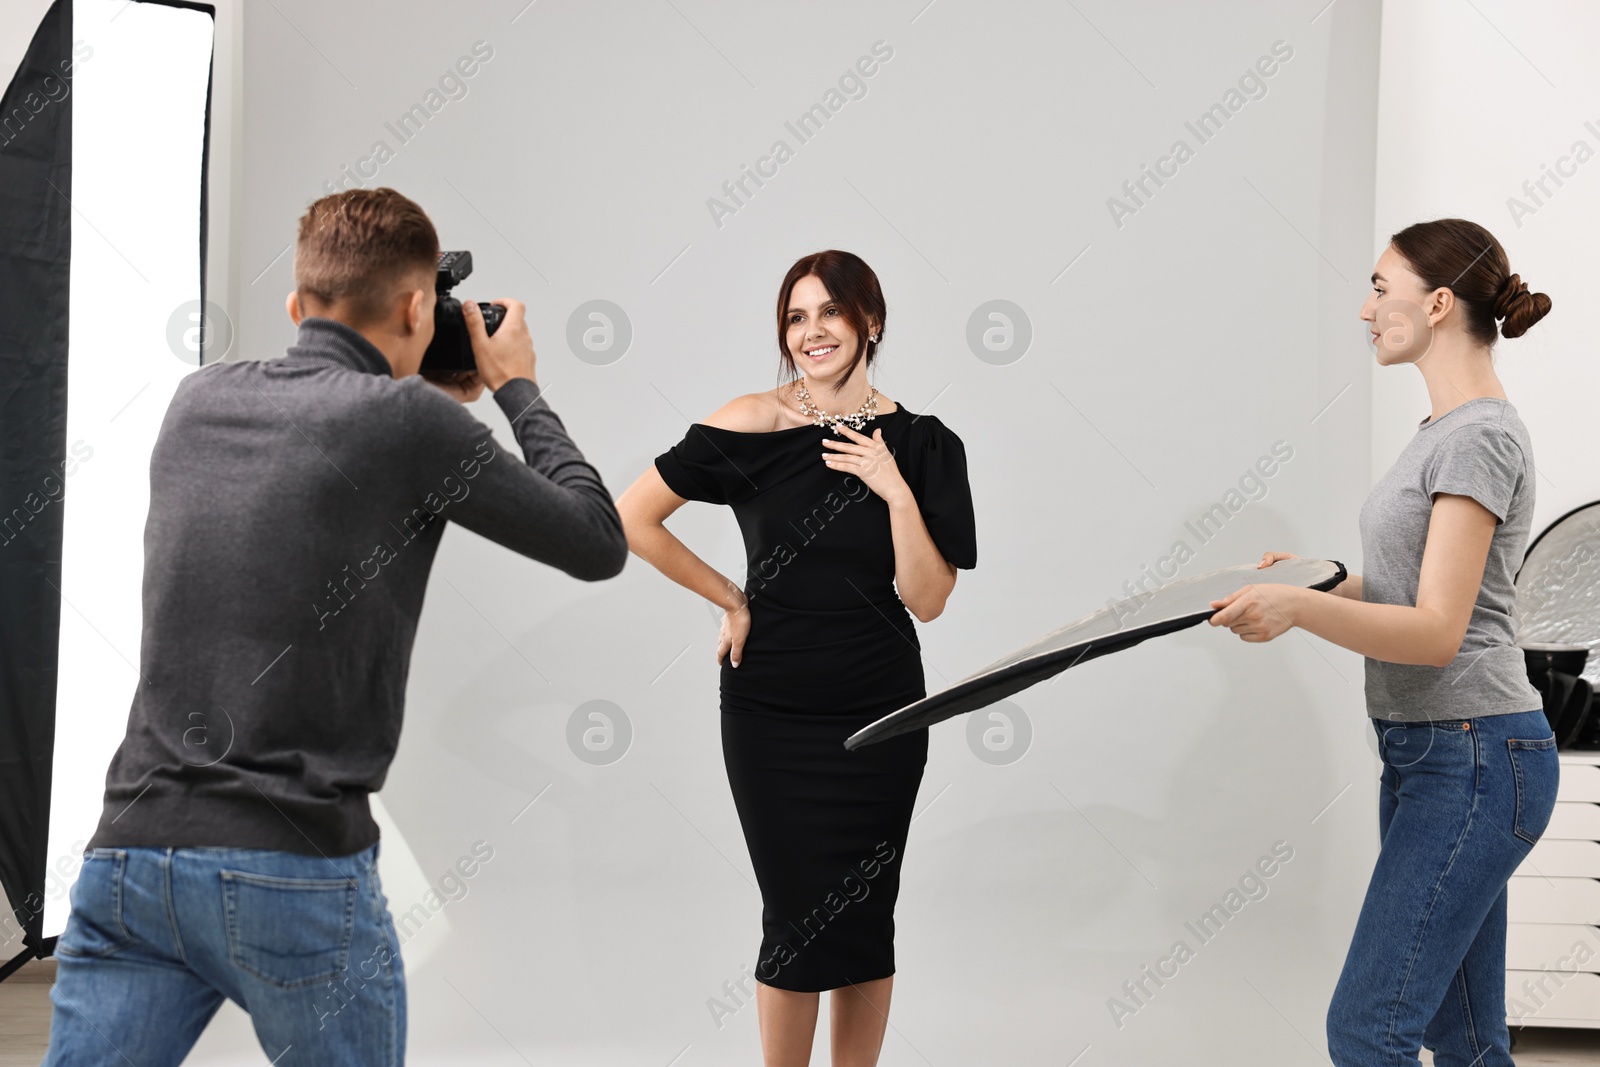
x: 295, y: 508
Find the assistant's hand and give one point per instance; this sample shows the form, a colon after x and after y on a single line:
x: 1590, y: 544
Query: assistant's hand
x: 509, y: 353
x: 735, y: 628
x: 1258, y: 612
x: 869, y: 459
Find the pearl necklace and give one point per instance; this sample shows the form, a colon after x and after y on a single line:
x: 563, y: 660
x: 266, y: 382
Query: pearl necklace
x: 857, y: 419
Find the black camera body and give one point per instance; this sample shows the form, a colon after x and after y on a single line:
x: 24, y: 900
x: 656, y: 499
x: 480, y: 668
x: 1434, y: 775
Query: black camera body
x: 450, y: 352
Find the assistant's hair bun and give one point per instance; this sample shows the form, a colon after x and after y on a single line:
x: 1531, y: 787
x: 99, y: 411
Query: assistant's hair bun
x: 1519, y: 308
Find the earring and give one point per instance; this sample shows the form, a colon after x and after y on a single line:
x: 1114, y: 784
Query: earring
x: 873, y: 338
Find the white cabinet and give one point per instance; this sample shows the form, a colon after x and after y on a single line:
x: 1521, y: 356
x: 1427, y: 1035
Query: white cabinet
x: 1553, y: 908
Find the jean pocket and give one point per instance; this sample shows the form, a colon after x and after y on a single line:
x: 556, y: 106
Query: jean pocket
x: 95, y: 926
x: 1536, y: 771
x: 1443, y: 743
x: 289, y: 932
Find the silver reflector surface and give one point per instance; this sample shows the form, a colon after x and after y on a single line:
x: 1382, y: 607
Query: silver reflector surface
x: 1173, y: 607
x: 1558, y: 587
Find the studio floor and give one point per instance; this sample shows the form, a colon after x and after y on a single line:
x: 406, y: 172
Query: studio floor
x: 25, y: 1029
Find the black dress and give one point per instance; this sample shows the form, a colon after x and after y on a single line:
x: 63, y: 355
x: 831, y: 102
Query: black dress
x: 830, y: 649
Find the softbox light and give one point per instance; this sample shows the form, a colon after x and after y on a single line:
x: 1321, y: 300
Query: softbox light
x: 103, y: 150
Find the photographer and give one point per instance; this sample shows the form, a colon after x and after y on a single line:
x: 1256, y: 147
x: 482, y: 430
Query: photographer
x: 295, y: 509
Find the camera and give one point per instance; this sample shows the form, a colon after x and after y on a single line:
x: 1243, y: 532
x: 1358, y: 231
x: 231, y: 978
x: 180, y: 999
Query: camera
x: 450, y: 352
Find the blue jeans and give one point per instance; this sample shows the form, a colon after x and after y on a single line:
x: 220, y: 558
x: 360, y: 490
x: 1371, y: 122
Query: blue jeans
x: 158, y: 936
x: 1461, y: 804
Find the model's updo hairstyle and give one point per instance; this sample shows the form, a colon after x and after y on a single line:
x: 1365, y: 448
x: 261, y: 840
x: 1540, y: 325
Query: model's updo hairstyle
x: 854, y: 289
x: 1465, y: 258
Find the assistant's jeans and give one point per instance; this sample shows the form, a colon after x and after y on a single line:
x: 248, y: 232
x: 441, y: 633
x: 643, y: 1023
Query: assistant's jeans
x: 1462, y: 801
x: 158, y: 937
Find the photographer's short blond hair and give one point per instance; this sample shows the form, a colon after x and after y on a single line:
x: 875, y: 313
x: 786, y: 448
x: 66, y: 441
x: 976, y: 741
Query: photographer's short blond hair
x: 358, y: 246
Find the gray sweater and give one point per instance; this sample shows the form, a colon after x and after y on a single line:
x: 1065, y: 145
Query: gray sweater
x: 295, y: 508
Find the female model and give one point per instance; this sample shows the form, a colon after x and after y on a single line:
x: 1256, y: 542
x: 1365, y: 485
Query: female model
x: 1469, y: 761
x: 853, y: 510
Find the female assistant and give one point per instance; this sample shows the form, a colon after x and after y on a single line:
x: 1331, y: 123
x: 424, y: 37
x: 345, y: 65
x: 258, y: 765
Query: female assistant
x: 1469, y: 762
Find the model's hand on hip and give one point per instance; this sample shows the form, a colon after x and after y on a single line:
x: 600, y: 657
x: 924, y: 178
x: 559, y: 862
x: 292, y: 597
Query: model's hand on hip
x: 735, y: 628
x: 869, y: 459
x: 509, y: 353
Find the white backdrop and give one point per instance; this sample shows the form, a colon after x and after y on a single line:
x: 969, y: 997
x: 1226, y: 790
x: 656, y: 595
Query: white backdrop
x: 1452, y: 141
x: 1163, y: 341
x: 1171, y: 348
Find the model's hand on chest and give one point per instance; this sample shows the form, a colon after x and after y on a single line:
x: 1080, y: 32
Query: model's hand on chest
x: 869, y: 459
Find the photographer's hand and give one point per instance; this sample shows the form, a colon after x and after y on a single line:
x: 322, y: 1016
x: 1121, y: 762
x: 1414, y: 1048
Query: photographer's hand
x: 465, y: 387
x: 506, y: 355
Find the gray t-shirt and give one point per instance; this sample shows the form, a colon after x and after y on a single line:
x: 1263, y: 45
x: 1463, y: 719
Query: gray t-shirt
x: 1481, y: 450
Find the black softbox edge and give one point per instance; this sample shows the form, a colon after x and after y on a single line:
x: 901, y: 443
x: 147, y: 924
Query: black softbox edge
x: 35, y: 277
x: 35, y: 287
